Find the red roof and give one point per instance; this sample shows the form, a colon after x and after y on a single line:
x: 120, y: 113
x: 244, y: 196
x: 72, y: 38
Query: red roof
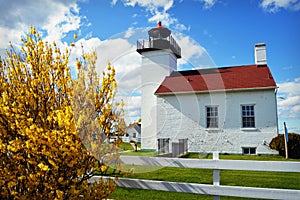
x: 215, y: 79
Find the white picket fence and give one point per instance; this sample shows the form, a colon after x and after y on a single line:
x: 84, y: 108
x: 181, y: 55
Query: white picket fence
x: 215, y: 189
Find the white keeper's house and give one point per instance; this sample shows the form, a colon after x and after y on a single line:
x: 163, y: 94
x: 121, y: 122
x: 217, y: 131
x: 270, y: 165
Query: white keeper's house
x: 230, y: 109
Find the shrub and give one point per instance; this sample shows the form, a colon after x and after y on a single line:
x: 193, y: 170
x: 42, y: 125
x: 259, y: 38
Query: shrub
x: 277, y: 143
x: 53, y: 129
x: 126, y: 146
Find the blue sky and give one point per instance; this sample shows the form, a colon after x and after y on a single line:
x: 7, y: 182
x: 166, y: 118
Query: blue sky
x: 210, y: 32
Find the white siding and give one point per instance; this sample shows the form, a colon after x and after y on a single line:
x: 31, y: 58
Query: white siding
x: 184, y: 116
x: 155, y: 66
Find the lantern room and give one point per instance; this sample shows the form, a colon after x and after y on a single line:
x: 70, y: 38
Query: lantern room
x: 160, y: 38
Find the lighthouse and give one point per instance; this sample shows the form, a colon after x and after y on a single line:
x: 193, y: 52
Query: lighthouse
x: 159, y: 58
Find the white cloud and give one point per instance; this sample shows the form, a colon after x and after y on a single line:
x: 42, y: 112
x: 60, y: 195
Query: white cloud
x: 296, y: 108
x: 132, y: 107
x: 55, y: 18
x: 129, y: 32
x: 291, y: 88
x: 114, y: 2
x: 181, y: 27
x: 10, y: 35
x: 126, y: 61
x: 65, y: 19
x: 208, y: 3
x: 164, y: 17
x: 276, y: 5
x: 150, y: 5
x: 88, y: 45
x: 112, y: 50
x: 158, y: 10
x: 189, y: 47
x: 123, y: 57
x: 192, y: 53
x: 289, y: 103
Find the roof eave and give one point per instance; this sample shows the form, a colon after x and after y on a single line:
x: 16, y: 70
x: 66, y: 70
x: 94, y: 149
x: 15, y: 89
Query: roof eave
x: 217, y: 91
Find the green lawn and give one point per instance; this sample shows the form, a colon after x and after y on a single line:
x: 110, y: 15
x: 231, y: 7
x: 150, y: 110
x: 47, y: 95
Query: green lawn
x: 152, y: 153
x: 239, y: 157
x: 138, y: 194
x: 125, y: 146
x: 140, y: 153
x: 135, y: 194
x: 172, y: 174
x: 204, y: 176
x: 282, y: 180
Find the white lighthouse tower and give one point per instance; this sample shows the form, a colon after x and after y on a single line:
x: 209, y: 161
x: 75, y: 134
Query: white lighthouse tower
x: 159, y: 59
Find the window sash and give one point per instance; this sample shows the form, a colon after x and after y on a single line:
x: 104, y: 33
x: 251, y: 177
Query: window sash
x: 246, y: 150
x: 163, y: 145
x: 249, y: 150
x: 248, y: 122
x: 248, y: 111
x: 212, y: 117
x: 248, y: 118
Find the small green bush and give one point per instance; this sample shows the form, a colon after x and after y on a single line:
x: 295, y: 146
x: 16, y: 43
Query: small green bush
x: 125, y: 146
x: 277, y: 143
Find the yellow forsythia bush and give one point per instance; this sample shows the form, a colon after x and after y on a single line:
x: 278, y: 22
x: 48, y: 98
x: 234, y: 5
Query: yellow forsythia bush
x: 54, y: 129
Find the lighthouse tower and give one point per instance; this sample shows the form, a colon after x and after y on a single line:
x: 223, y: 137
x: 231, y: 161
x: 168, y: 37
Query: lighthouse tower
x: 159, y: 59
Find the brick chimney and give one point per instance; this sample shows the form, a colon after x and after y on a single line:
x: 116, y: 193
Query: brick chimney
x: 260, y: 54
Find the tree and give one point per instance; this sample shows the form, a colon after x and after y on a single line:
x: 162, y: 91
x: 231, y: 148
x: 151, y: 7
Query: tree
x: 97, y: 116
x: 51, y: 125
x: 277, y: 143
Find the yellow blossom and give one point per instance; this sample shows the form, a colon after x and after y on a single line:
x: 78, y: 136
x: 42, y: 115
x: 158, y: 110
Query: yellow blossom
x: 59, y: 194
x: 43, y: 167
x: 103, y: 168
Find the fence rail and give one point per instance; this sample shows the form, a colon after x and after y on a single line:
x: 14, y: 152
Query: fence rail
x: 251, y: 165
x: 215, y: 189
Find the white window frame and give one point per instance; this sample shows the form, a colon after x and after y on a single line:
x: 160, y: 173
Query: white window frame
x: 248, y: 113
x: 215, y: 117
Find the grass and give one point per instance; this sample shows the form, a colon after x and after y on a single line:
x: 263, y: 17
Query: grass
x: 130, y: 193
x: 137, y: 194
x: 204, y: 176
x: 282, y: 180
x: 125, y: 146
x: 140, y: 153
x: 172, y: 174
x: 129, y: 151
x: 239, y: 157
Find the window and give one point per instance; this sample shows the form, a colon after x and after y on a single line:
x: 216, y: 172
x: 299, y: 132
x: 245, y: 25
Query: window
x: 163, y: 145
x: 249, y: 150
x: 248, y: 120
x: 212, y: 117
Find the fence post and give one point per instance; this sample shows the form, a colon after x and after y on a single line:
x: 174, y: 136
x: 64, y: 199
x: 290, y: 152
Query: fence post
x: 216, y: 174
